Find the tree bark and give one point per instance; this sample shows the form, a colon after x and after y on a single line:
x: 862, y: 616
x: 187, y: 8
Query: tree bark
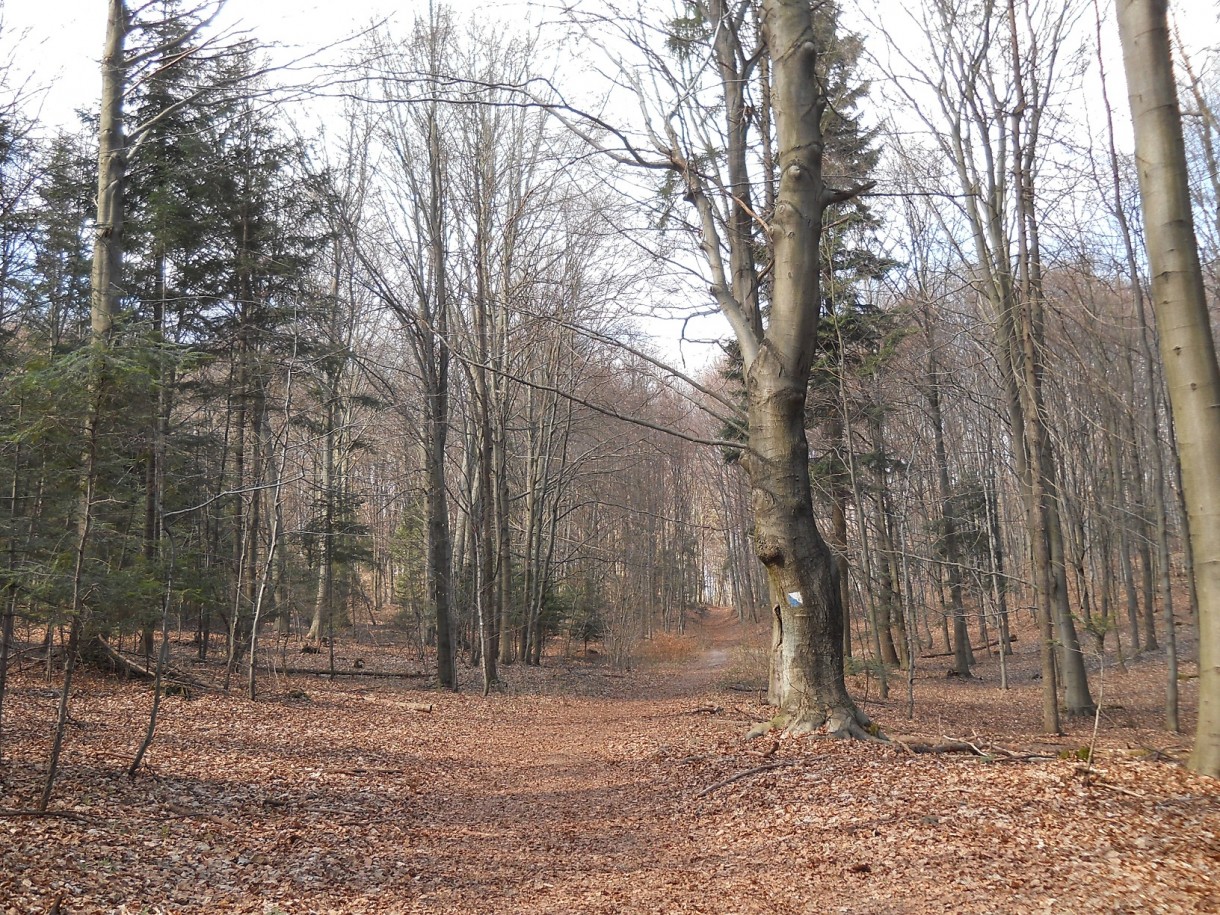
x: 811, y: 688
x: 105, y: 288
x: 1188, y: 351
x: 436, y: 351
x: 953, y: 558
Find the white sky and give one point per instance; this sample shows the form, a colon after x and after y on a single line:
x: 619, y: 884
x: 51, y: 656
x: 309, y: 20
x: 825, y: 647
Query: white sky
x: 58, y: 41
x: 56, y: 45
x: 59, y: 51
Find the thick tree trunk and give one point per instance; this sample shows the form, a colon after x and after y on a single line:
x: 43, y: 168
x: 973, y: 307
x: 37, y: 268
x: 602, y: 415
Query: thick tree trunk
x: 810, y: 686
x: 1077, y: 697
x: 1188, y: 351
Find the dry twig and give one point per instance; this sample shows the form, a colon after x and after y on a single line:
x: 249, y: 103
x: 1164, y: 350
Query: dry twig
x: 715, y: 786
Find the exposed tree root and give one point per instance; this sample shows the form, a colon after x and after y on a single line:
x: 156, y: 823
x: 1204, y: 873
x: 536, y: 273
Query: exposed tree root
x: 766, y: 727
x: 43, y: 814
x: 840, y: 721
x: 849, y: 721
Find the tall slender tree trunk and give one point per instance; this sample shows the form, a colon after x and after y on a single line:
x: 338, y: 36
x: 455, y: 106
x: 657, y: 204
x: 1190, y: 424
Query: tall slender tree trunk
x: 1030, y: 327
x: 324, y: 592
x: 995, y: 558
x: 948, y: 517
x: 1119, y: 503
x: 1188, y: 351
x: 105, y: 279
x: 435, y: 350
x: 504, y: 553
x: 105, y: 290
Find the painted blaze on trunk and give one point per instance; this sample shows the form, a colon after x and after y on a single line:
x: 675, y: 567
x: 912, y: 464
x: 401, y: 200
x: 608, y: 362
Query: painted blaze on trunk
x: 809, y: 656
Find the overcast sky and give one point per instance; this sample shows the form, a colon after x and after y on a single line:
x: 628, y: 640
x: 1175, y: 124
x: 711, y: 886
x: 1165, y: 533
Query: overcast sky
x: 56, y: 43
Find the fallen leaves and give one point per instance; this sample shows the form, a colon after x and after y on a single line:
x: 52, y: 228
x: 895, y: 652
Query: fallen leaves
x: 574, y: 792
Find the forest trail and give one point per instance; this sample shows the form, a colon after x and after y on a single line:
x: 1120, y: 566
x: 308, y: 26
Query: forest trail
x: 567, y: 819
x: 576, y: 789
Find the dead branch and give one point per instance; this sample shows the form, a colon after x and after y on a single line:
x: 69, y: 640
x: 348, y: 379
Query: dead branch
x: 1096, y: 782
x: 715, y: 786
x: 323, y: 672
x: 948, y: 654
x: 8, y: 813
x: 133, y: 669
x: 918, y: 745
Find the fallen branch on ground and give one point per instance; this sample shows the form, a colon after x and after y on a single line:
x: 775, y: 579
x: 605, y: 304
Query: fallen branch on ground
x: 1098, y: 783
x: 38, y: 814
x: 169, y: 677
x: 914, y: 745
x: 918, y: 745
x: 948, y: 654
x: 715, y: 786
x: 323, y: 672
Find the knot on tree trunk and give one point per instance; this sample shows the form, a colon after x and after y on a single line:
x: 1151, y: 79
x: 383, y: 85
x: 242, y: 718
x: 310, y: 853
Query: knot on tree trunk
x: 770, y: 553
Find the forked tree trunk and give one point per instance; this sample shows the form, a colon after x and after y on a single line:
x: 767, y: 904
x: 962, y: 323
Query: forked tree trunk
x: 1187, y: 348
x: 810, y: 686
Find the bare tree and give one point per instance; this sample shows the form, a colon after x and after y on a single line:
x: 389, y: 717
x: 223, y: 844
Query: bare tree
x: 719, y: 65
x: 984, y: 88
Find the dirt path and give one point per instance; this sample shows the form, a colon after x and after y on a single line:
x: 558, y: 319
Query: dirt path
x: 579, y: 792
x: 577, y: 814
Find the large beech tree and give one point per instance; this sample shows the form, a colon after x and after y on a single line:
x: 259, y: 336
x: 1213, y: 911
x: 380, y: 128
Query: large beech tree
x: 777, y: 359
x: 728, y: 68
x: 1187, y: 348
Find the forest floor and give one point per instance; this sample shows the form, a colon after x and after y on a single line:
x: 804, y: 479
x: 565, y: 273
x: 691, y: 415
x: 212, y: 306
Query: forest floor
x: 576, y: 789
